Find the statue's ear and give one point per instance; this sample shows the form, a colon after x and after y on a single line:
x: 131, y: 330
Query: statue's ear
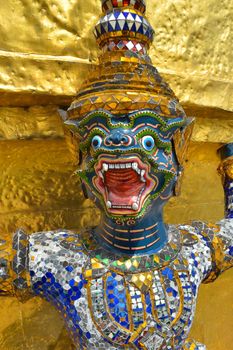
x: 84, y: 189
x: 63, y: 114
x: 177, y: 187
x: 72, y: 125
x: 181, y: 140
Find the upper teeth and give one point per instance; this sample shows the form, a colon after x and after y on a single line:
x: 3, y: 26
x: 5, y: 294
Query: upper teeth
x: 133, y: 166
x: 116, y: 166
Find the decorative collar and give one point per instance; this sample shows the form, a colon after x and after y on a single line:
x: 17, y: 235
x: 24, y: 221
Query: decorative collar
x: 102, y: 259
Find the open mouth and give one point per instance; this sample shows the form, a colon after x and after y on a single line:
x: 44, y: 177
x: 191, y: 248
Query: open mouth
x: 124, y: 184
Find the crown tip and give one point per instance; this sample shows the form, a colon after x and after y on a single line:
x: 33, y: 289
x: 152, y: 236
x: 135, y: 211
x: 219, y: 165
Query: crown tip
x: 109, y: 5
x: 123, y: 20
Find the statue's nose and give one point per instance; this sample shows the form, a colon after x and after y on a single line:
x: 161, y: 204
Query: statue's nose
x: 117, y: 138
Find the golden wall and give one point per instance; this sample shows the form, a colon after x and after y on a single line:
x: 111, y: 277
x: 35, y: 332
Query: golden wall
x: 46, y: 47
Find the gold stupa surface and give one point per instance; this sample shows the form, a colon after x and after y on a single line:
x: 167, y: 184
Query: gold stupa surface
x: 46, y: 49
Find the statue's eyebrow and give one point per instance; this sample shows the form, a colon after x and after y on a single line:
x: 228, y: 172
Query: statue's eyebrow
x: 164, y: 123
x: 92, y: 126
x: 95, y: 114
x: 141, y: 121
x: 148, y: 113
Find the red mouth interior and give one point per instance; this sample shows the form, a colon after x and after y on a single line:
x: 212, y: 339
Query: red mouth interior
x: 123, y: 186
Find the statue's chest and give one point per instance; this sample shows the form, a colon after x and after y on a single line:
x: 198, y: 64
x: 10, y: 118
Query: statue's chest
x: 145, y: 310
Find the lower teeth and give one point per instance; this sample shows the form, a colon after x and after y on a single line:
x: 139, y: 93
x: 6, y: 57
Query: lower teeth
x: 135, y: 206
x: 109, y: 205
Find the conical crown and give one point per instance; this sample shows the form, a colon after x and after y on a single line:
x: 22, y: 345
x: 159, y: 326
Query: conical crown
x: 124, y: 27
x: 125, y: 79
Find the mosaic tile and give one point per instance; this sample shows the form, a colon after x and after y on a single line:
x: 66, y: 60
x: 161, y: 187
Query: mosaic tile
x: 124, y: 20
x: 108, y: 310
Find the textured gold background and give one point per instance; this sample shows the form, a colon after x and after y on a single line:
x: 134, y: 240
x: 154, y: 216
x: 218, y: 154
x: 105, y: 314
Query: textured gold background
x: 46, y: 47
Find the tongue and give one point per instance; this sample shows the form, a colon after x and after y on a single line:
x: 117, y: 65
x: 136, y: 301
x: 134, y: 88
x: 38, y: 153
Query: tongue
x: 123, y: 186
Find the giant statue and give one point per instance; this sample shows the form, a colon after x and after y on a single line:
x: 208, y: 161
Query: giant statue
x: 132, y: 281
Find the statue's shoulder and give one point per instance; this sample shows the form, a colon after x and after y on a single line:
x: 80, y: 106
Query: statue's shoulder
x: 56, y: 246
x: 226, y: 227
x: 190, y: 235
x: 212, y: 235
x: 196, y: 248
x: 196, y: 239
x: 52, y: 239
x: 198, y: 232
x: 212, y: 244
x: 56, y: 263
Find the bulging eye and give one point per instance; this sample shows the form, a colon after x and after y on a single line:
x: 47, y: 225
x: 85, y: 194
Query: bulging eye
x: 148, y: 142
x: 96, y: 141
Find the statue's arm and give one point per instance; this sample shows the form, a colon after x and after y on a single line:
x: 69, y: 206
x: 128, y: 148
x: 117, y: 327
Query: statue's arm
x: 225, y: 236
x: 26, y: 260
x: 225, y: 233
x: 216, y: 247
x: 219, y: 237
x: 14, y: 273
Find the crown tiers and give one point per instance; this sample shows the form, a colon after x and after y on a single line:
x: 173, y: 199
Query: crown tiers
x: 123, y: 23
x: 109, y: 5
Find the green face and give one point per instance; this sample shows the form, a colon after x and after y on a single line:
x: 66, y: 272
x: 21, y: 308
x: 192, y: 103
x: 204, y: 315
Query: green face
x: 128, y: 161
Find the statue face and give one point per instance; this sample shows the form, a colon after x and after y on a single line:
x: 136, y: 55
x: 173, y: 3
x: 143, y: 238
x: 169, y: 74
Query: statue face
x: 128, y: 161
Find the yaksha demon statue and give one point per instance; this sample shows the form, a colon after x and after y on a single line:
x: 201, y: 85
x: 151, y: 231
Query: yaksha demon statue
x: 132, y: 281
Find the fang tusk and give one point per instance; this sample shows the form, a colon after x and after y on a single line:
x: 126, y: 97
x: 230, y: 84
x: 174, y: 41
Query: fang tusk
x: 142, y: 176
x: 135, y: 166
x: 109, y: 204
x: 105, y: 167
x: 101, y: 175
x: 135, y: 206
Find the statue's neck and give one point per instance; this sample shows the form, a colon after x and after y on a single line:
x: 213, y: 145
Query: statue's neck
x: 147, y: 235
x: 228, y: 187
